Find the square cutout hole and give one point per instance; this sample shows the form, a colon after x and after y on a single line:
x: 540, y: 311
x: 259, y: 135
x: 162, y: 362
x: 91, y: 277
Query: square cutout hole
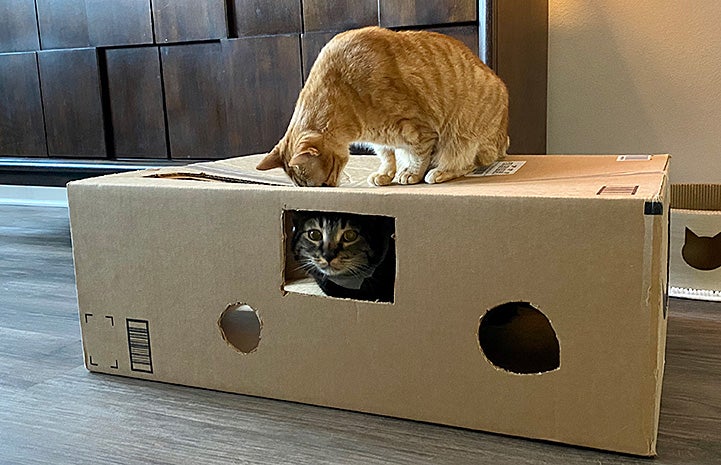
x: 342, y: 255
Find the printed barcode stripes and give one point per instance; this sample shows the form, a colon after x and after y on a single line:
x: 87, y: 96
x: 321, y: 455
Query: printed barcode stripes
x: 139, y: 345
x: 618, y: 190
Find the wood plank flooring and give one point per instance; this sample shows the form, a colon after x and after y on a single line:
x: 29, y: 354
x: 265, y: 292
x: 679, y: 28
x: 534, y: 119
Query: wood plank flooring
x: 52, y: 411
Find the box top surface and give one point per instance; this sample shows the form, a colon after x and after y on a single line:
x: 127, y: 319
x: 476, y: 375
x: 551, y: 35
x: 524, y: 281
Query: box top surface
x: 568, y: 176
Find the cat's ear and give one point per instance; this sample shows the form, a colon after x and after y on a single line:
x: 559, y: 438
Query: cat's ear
x: 690, y: 235
x: 272, y: 160
x: 308, y: 153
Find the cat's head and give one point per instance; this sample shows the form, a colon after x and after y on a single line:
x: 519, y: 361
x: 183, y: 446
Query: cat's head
x: 338, y: 245
x: 309, y: 160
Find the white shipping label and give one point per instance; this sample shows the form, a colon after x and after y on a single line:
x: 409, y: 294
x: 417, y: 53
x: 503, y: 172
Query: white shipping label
x: 499, y: 168
x: 633, y: 158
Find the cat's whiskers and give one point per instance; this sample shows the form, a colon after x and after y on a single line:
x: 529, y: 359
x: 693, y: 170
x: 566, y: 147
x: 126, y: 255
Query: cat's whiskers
x: 306, y: 265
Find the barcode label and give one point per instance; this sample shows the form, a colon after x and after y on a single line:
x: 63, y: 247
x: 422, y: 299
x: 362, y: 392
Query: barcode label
x: 499, y: 168
x: 634, y: 158
x: 139, y: 345
x: 617, y: 190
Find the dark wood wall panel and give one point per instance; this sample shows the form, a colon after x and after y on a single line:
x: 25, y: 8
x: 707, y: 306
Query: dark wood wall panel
x: 188, y: 20
x: 420, y: 12
x: 83, y: 23
x: 21, y: 114
x: 324, y: 15
x: 119, y: 22
x: 262, y: 97
x: 71, y: 98
x: 258, y: 17
x: 18, y: 26
x: 63, y: 24
x: 195, y: 100
x: 136, y: 102
x: 218, y: 106
x: 520, y: 56
x: 192, y: 79
x: 312, y: 43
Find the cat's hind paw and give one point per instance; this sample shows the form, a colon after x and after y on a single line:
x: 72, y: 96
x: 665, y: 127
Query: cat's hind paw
x: 380, y: 179
x: 409, y: 177
x: 436, y: 176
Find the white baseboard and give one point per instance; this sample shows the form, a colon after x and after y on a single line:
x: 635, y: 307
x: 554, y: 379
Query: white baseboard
x: 33, y: 195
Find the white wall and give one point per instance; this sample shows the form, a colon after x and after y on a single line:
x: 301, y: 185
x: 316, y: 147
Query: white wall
x: 637, y: 76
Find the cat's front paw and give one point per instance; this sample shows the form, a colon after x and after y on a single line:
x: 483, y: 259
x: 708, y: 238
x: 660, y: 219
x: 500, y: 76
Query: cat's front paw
x: 380, y: 179
x: 409, y: 177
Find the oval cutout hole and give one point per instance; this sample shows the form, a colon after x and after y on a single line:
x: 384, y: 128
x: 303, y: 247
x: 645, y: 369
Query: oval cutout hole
x: 240, y: 326
x: 517, y: 337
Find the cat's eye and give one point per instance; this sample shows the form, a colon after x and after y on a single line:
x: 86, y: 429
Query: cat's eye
x: 350, y: 235
x: 315, y: 235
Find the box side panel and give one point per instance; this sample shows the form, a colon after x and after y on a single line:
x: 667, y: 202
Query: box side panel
x: 165, y: 263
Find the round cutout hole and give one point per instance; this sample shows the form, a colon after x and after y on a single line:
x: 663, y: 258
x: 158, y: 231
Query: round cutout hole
x: 517, y: 337
x: 240, y: 327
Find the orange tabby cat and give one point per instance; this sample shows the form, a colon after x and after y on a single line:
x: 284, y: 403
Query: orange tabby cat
x: 423, y: 101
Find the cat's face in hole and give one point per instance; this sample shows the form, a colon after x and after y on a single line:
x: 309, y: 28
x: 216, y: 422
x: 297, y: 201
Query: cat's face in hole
x: 309, y: 162
x: 335, y: 245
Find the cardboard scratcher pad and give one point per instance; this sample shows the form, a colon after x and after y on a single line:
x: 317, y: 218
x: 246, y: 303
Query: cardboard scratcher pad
x: 696, y: 241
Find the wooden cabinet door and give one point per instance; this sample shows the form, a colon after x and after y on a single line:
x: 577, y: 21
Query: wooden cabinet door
x: 83, y: 23
x: 70, y: 85
x: 195, y: 100
x: 311, y: 44
x: 21, y: 114
x: 230, y: 98
x: 18, y: 26
x: 119, y: 22
x: 188, y: 20
x: 337, y: 15
x: 136, y: 102
x: 421, y: 12
x: 63, y: 24
x: 262, y: 96
x: 261, y: 17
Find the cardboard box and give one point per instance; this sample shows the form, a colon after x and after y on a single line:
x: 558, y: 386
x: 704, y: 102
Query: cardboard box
x: 696, y: 241
x: 528, y: 300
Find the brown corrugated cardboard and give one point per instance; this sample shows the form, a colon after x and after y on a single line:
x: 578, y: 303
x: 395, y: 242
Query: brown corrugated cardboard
x: 695, y: 262
x: 559, y: 268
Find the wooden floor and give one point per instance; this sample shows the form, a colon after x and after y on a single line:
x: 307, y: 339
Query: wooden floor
x: 52, y: 411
